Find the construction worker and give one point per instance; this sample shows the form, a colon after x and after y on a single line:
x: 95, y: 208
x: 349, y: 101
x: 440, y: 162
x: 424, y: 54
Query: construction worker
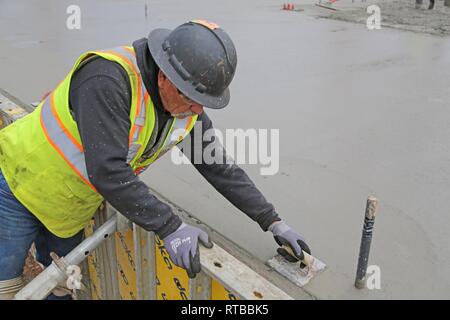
x: 114, y: 114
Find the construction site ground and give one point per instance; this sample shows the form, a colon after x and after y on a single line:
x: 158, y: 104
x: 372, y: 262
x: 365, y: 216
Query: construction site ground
x: 359, y: 112
x: 397, y: 14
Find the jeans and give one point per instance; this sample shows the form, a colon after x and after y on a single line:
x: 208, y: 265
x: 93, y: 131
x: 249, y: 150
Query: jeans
x: 19, y: 228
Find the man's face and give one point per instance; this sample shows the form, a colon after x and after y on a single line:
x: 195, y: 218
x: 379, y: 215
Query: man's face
x: 174, y: 101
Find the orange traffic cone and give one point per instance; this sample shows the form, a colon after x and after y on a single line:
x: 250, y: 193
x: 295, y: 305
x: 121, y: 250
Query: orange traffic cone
x: 288, y: 6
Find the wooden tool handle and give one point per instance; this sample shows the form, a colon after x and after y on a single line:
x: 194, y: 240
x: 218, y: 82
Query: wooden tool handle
x: 307, y: 258
x: 371, y: 207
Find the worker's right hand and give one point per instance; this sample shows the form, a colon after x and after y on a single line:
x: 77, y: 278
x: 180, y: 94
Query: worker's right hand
x: 286, y: 236
x: 182, y: 246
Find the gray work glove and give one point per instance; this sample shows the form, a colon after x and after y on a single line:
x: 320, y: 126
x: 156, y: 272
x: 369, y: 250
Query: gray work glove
x: 285, y: 235
x: 182, y: 246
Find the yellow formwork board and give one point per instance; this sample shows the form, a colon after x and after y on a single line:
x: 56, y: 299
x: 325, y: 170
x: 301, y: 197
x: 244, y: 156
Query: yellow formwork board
x: 171, y: 281
x: 94, y: 279
x: 126, y: 268
x: 219, y: 292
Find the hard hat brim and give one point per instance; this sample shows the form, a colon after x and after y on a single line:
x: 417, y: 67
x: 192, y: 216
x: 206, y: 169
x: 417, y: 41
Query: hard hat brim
x: 154, y: 42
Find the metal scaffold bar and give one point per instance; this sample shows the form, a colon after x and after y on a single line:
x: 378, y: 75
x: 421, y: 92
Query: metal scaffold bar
x: 200, y: 287
x: 144, y: 252
x: 41, y: 286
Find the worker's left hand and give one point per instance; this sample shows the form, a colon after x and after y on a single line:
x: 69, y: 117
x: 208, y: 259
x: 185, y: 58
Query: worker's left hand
x: 182, y: 246
x: 286, y: 236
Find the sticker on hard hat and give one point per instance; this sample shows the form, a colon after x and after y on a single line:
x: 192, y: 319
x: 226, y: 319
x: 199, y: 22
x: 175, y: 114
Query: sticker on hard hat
x: 208, y: 24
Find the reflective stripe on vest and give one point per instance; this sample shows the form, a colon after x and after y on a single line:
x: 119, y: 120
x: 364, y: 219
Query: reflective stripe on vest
x: 61, y: 139
x: 128, y: 55
x: 175, y: 135
x: 68, y: 147
x: 179, y: 129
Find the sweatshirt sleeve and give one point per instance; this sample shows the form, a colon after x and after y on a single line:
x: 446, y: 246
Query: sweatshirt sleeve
x: 100, y: 98
x: 227, y: 178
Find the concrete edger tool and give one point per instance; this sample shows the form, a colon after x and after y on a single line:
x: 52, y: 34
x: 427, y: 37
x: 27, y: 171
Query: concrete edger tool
x: 300, y: 272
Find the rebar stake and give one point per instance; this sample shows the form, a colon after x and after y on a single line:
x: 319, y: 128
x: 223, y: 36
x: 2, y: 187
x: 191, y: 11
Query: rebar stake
x: 366, y: 239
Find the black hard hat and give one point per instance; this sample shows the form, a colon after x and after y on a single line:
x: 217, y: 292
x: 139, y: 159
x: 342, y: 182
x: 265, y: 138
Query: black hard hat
x: 199, y: 58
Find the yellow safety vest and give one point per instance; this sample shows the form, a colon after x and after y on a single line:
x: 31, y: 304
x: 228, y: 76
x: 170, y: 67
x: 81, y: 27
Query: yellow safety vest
x: 42, y: 156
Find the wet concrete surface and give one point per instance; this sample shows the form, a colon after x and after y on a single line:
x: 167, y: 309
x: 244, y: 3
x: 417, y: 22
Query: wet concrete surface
x: 360, y: 112
x: 398, y: 14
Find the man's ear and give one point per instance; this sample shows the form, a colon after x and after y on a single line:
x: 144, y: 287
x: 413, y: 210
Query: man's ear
x: 161, y: 78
